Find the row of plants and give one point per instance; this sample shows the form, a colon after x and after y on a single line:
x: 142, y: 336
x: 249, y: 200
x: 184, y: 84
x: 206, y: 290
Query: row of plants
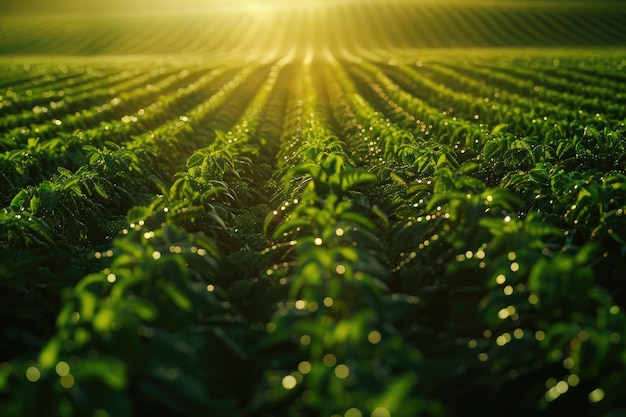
x: 535, y: 86
x: 128, y: 103
x: 130, y: 302
x: 313, y: 239
x: 345, y: 356
x: 33, y: 159
x: 464, y: 256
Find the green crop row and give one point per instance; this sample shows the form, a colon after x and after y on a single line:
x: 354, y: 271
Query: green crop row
x: 336, y: 237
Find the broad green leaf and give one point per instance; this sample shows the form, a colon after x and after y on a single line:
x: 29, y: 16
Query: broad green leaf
x: 5, y: 373
x: 397, y: 392
x: 143, y: 308
x: 91, y: 283
x: 104, y: 319
x: 35, y: 204
x: 381, y: 215
x: 138, y: 213
x: 181, y: 300
x: 352, y: 178
x: 397, y: 179
x: 195, y: 160
x: 90, y: 148
x: 48, y: 357
x: 19, y: 200
x: 88, y: 304
x: 502, y: 127
x: 351, y: 216
x: 65, y: 172
x: 212, y: 214
x: 111, y: 371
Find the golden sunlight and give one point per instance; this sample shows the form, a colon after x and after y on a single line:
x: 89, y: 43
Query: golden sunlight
x: 155, y: 6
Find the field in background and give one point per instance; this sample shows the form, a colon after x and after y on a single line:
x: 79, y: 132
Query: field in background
x: 253, y: 30
x: 348, y: 209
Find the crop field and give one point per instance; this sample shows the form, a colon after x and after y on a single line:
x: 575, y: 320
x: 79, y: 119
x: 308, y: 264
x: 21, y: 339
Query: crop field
x: 338, y: 209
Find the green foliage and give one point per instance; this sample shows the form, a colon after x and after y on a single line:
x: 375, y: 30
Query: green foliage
x: 331, y: 233
x: 133, y: 333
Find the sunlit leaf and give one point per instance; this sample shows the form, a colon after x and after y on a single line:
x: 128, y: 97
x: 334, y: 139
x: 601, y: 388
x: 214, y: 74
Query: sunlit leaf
x: 111, y: 371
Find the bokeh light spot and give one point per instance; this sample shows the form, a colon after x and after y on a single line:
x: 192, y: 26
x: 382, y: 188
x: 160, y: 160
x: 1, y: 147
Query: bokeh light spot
x: 304, y: 367
x: 381, y: 412
x: 62, y: 368
x: 33, y: 374
x: 67, y: 381
x: 573, y: 380
x: 289, y: 382
x: 342, y: 371
x: 329, y: 359
x: 353, y: 412
x: 374, y: 337
x: 596, y: 395
x: 562, y: 387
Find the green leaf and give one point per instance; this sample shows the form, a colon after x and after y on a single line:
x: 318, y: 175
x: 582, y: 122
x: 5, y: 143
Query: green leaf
x: 397, y: 179
x: 469, y: 168
x: 208, y: 244
x: 88, y: 305
x: 111, y: 371
x: 65, y: 172
x: 19, y: 200
x: 142, y: 308
x: 539, y: 174
x: 212, y: 214
x: 397, y: 392
x: 35, y: 204
x: 5, y: 374
x: 48, y: 357
x: 177, y: 296
x: 104, y: 319
x: 138, y: 213
x: 351, y: 216
x: 499, y: 128
x: 353, y: 177
x: 587, y: 254
x: 134, y: 249
x: 493, y: 149
x: 268, y: 221
x: 195, y: 160
x: 90, y: 148
x: 48, y: 197
x: 381, y: 215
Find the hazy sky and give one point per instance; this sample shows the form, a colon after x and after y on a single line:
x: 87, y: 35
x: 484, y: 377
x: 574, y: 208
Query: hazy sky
x: 100, y: 6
